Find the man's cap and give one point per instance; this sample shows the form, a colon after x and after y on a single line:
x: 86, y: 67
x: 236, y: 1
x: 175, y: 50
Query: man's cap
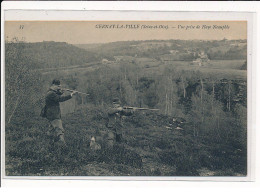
x: 116, y: 100
x: 56, y: 82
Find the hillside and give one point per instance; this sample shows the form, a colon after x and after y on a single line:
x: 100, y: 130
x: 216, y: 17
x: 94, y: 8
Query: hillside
x: 53, y: 54
x: 153, y: 146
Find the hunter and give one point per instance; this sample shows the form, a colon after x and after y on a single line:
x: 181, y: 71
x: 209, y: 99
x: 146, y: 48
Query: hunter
x: 52, y: 110
x: 115, y: 114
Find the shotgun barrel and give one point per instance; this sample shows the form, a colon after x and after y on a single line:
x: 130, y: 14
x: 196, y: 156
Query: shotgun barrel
x: 138, y: 108
x: 75, y: 91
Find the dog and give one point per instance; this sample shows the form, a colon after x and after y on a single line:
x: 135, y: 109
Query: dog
x: 93, y: 144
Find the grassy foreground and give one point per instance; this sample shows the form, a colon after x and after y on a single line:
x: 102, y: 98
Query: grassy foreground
x: 152, y: 147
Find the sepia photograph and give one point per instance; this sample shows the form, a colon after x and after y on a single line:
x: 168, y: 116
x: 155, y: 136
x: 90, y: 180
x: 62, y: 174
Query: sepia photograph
x: 126, y: 98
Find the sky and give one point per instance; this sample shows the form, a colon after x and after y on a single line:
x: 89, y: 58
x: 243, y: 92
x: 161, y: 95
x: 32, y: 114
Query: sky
x: 89, y: 32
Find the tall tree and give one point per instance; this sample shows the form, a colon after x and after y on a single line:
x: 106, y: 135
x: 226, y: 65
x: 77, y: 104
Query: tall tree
x: 22, y: 85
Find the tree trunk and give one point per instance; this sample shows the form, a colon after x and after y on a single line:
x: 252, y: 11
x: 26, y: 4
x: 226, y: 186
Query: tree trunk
x: 166, y: 102
x: 184, y: 89
x: 213, y: 89
x: 125, y: 73
x: 171, y: 107
x: 120, y: 86
x: 194, y: 131
x: 229, y: 97
x: 15, y: 107
x: 213, y: 96
x: 201, y: 96
x: 201, y: 99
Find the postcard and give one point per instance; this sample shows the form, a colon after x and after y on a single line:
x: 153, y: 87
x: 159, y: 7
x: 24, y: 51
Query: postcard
x: 121, y: 99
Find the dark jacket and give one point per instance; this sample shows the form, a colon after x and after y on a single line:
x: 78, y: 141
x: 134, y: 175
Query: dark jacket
x: 52, y: 107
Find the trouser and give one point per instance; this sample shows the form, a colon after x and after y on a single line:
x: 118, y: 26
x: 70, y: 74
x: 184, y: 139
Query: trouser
x: 57, y: 131
x: 110, y: 139
x: 113, y: 135
x: 118, y: 133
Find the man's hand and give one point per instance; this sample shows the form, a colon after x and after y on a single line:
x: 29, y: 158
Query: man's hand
x: 73, y: 93
x: 60, y: 92
x: 120, y: 108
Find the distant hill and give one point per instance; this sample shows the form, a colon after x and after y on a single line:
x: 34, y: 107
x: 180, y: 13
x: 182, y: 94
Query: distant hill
x: 109, y: 50
x: 53, y: 54
x: 88, y: 46
x: 216, y: 49
x: 50, y: 54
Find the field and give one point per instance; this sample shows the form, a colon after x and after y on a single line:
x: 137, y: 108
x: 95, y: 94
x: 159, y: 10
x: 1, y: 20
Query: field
x: 219, y: 68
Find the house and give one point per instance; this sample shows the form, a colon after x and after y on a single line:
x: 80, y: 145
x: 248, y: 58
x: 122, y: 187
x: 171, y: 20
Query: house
x: 202, y: 60
x: 105, y: 61
x: 174, y: 51
x: 197, y: 62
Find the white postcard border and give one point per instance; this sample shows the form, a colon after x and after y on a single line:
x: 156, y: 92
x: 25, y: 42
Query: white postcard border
x: 250, y: 17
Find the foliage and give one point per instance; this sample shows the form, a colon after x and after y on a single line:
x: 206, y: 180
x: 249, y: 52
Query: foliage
x: 20, y: 81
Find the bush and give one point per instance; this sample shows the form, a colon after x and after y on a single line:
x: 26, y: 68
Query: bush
x: 121, y: 155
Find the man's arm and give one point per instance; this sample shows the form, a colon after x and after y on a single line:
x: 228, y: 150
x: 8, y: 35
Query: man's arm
x: 114, y: 110
x: 57, y: 98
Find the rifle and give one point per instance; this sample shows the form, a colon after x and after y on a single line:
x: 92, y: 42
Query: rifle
x: 65, y: 89
x: 137, y: 108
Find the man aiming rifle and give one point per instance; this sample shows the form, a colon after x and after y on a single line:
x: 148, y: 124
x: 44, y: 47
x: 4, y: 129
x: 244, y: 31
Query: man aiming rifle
x: 52, y: 111
x: 115, y: 114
